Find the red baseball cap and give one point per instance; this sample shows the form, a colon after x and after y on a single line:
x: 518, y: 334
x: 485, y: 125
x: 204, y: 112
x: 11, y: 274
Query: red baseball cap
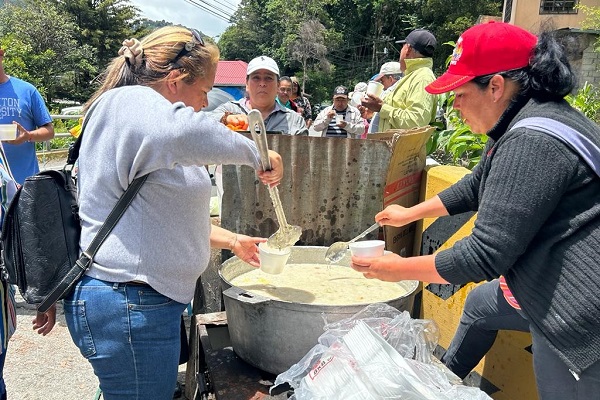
x: 485, y: 49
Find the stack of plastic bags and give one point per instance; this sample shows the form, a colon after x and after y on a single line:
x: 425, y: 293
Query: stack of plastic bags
x: 379, y: 353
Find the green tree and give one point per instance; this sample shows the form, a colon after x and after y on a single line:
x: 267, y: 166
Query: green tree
x: 45, y: 50
x: 592, y: 20
x: 101, y: 25
x: 447, y: 19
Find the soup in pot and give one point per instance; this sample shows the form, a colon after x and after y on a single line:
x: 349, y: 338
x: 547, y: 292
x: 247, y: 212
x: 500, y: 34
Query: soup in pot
x: 319, y: 284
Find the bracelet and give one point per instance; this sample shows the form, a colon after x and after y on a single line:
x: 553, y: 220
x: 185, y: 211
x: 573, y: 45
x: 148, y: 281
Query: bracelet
x: 224, y: 117
x: 235, y: 240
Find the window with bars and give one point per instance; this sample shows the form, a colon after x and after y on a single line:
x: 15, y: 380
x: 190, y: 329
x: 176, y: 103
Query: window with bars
x: 558, y: 6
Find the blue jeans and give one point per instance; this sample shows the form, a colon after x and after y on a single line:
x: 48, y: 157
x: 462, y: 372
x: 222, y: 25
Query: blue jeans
x: 2, y: 384
x: 131, y: 336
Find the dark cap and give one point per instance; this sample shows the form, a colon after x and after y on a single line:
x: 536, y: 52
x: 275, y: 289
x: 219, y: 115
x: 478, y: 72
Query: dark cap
x: 340, y: 91
x: 421, y: 40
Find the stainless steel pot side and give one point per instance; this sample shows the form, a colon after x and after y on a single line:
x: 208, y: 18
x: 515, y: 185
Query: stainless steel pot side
x: 273, y: 335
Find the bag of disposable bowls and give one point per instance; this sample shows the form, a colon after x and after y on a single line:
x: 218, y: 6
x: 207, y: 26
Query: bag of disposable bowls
x: 355, y: 359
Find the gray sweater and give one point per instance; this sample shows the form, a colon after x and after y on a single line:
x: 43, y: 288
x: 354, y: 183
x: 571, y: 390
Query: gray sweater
x: 538, y: 224
x: 163, y: 237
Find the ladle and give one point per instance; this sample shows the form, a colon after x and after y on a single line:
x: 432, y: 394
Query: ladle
x: 287, y: 235
x: 336, y: 251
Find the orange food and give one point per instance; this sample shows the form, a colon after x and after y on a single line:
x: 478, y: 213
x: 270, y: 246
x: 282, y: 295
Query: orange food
x: 239, y: 126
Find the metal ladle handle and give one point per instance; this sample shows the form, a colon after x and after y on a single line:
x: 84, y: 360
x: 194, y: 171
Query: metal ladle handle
x: 365, y: 233
x: 257, y: 128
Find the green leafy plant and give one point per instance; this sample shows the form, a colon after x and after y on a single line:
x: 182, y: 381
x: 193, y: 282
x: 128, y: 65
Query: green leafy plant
x: 587, y: 100
x: 453, y: 142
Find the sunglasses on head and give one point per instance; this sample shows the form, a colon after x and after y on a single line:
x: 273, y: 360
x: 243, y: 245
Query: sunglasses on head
x: 188, y: 46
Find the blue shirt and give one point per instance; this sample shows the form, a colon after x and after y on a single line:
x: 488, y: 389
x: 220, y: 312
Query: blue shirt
x: 21, y: 102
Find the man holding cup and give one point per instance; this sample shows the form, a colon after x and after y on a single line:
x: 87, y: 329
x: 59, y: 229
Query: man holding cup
x: 389, y: 76
x: 340, y: 119
x: 408, y: 105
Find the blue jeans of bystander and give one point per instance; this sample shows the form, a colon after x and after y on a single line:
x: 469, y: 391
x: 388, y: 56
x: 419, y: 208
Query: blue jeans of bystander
x: 130, y: 334
x: 2, y: 384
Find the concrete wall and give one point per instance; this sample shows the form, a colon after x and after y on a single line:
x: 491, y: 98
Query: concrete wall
x: 526, y: 14
x: 584, y: 60
x: 506, y: 372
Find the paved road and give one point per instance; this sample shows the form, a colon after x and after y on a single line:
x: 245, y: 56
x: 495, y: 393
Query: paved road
x: 50, y: 367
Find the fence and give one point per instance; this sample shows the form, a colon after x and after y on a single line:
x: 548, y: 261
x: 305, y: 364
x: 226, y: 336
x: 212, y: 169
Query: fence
x: 46, y: 146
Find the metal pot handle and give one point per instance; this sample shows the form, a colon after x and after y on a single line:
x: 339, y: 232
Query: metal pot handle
x: 243, y: 296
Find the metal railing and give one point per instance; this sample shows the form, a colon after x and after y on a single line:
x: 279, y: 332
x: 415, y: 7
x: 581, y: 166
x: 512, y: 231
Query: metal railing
x: 67, y: 134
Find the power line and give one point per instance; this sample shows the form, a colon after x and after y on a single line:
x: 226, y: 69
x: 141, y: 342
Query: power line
x: 226, y: 11
x: 224, y: 17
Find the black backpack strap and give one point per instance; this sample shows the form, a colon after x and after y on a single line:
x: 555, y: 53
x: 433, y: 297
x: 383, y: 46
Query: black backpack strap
x: 86, y: 258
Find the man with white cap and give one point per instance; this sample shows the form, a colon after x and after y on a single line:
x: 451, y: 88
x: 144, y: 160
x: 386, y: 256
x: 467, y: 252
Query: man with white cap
x: 408, y: 105
x: 389, y: 75
x: 262, y: 76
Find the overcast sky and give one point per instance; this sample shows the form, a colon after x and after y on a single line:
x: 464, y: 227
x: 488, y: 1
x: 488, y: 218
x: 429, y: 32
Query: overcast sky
x: 184, y: 13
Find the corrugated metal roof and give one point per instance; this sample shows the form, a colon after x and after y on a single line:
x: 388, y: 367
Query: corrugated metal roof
x: 332, y: 188
x: 231, y: 73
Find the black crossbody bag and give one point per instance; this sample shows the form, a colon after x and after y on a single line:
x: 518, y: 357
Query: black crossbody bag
x: 41, y: 231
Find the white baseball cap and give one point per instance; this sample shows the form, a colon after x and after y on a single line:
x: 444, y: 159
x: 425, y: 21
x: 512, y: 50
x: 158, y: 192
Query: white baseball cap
x: 262, y: 62
x: 389, y: 68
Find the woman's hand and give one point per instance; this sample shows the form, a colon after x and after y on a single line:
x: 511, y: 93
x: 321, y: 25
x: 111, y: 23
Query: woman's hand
x: 44, y: 322
x: 272, y: 177
x: 385, y: 268
x: 394, y: 215
x: 246, y: 249
x: 236, y: 122
x: 393, y: 268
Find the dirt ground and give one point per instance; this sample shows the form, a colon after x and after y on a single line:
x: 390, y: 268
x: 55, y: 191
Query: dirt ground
x: 50, y: 367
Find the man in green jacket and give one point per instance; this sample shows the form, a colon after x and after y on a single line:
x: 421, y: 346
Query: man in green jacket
x: 409, y: 105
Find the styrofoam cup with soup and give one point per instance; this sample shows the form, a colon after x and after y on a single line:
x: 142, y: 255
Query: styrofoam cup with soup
x: 8, y: 131
x: 375, y: 88
x: 273, y: 260
x: 367, y: 248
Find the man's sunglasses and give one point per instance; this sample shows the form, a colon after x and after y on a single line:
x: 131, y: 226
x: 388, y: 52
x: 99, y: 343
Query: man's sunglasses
x: 188, y: 46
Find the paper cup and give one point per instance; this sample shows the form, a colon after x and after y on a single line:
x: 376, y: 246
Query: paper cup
x: 367, y: 248
x: 357, y: 98
x: 8, y: 131
x: 273, y: 260
x: 338, y: 118
x: 375, y: 88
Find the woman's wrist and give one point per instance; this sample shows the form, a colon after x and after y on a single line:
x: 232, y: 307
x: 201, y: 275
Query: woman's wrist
x: 233, y: 241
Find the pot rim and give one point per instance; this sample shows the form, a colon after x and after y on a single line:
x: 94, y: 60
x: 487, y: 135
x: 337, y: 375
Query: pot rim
x: 410, y: 285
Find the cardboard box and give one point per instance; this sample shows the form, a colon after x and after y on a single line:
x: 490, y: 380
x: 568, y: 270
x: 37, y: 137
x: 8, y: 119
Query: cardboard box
x: 403, y: 180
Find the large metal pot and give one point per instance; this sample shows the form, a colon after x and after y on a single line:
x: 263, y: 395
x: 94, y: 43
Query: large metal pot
x: 272, y: 334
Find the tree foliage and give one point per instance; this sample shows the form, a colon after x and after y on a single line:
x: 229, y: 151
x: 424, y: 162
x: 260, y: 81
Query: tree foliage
x: 62, y: 45
x: 356, y: 37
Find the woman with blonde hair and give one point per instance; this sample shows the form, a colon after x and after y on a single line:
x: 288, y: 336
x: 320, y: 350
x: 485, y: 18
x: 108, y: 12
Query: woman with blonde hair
x: 124, y: 314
